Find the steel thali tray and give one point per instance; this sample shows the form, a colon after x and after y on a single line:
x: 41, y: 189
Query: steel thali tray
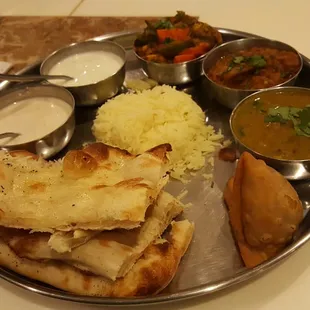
x: 212, y: 262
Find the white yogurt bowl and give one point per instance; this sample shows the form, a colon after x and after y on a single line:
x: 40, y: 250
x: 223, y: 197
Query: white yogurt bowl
x: 97, y: 68
x: 42, y: 116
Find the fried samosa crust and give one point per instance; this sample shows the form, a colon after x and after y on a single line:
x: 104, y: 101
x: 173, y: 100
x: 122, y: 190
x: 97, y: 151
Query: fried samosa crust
x: 264, y: 210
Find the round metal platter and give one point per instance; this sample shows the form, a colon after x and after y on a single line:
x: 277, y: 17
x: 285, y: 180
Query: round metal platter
x: 212, y: 262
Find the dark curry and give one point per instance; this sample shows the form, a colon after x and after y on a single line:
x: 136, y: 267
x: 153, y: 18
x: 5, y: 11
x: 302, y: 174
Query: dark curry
x: 255, y: 68
x: 176, y: 39
x: 275, y: 124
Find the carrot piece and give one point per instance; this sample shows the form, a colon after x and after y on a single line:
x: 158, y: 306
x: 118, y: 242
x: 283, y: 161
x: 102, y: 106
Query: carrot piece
x: 183, y: 58
x: 197, y: 50
x: 175, y: 34
x: 205, y: 46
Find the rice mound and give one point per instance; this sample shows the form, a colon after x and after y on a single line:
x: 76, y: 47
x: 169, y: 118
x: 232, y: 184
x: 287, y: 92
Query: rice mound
x: 140, y: 121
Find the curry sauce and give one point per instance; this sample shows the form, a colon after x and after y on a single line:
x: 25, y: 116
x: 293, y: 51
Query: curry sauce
x: 255, y: 68
x: 264, y: 124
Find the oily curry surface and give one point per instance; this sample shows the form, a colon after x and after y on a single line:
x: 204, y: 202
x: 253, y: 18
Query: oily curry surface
x: 255, y: 68
x: 275, y: 124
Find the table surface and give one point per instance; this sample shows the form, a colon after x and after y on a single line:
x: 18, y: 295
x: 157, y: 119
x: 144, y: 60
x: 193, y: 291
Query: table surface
x: 287, y: 285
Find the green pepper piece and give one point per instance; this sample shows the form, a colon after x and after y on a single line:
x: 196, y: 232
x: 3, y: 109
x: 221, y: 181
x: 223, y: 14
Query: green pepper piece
x: 174, y: 48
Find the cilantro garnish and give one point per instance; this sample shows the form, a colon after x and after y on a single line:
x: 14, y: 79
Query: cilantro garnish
x: 163, y: 24
x: 304, y: 124
x: 238, y: 59
x: 299, y: 117
x: 257, y: 61
x: 168, y: 40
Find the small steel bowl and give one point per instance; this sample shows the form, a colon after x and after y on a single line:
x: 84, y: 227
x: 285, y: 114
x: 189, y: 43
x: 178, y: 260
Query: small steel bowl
x: 49, y: 145
x: 230, y: 97
x: 290, y: 169
x: 91, y: 94
x: 173, y: 74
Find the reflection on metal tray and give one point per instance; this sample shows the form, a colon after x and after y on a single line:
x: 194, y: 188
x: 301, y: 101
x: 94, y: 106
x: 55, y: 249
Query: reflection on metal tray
x: 212, y: 262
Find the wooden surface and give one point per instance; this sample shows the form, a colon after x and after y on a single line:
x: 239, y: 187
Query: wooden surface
x: 25, y: 40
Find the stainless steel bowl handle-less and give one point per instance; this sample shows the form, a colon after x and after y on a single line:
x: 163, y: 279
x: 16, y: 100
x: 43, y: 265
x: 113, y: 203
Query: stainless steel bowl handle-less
x: 96, y: 93
x: 172, y: 74
x: 230, y: 97
x: 54, y: 142
x: 291, y: 169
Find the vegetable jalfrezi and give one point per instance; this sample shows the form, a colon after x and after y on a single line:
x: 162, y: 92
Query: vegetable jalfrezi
x: 176, y: 39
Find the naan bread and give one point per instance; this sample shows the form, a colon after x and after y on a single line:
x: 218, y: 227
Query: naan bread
x: 97, y: 188
x: 158, y: 217
x: 110, y: 253
x: 151, y: 274
x: 65, y: 241
x: 265, y: 210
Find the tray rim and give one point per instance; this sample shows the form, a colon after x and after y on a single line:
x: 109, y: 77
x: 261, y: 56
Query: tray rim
x: 197, y: 291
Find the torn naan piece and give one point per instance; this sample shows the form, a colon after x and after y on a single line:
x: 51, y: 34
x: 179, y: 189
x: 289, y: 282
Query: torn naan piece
x: 150, y: 275
x: 110, y: 253
x: 264, y: 210
x: 97, y: 188
x: 62, y: 241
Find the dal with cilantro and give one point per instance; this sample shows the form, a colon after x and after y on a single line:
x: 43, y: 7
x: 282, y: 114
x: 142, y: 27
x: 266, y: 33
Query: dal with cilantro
x: 255, y: 68
x: 275, y: 124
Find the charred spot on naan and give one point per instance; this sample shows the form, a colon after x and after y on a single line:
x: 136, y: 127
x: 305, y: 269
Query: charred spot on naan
x: 153, y: 276
x: 22, y: 242
x: 99, y: 186
x: 37, y: 187
x: 132, y: 183
x: 77, y: 164
x: 98, y: 151
x: 87, y: 283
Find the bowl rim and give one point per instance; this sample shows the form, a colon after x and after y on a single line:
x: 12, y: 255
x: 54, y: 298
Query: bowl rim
x: 170, y: 65
x: 234, y: 42
x: 17, y: 89
x: 74, y: 45
x: 233, y: 113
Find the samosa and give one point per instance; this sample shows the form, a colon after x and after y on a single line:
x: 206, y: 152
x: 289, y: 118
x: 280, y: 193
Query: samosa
x: 264, y: 210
